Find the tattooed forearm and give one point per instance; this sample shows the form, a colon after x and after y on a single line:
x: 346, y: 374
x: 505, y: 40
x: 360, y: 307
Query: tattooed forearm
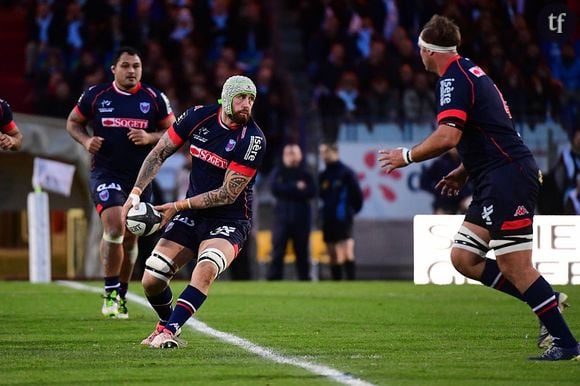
x: 164, y: 148
x: 234, y: 184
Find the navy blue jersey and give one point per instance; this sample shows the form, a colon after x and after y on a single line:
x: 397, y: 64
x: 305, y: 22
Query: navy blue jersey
x: 471, y: 102
x: 111, y: 112
x: 6, y: 121
x: 340, y: 194
x: 214, y: 147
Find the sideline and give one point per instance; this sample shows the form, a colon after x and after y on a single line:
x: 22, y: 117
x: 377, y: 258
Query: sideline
x: 264, y: 352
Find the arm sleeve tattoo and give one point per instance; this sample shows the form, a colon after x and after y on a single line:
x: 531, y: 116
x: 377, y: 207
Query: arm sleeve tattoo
x: 164, y: 148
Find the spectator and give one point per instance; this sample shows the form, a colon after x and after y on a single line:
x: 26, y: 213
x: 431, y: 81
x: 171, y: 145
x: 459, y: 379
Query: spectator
x: 341, y: 198
x: 293, y: 187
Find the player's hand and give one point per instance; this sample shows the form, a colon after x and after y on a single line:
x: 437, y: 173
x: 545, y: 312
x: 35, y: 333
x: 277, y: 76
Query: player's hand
x: 94, y: 144
x: 132, y: 202
x: 139, y: 136
x: 167, y: 212
x: 452, y: 183
x: 391, y: 159
x: 6, y: 142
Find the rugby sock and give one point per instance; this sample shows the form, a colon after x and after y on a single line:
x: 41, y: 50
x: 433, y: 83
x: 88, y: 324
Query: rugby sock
x: 349, y: 269
x: 336, y: 272
x: 123, y: 288
x: 112, y: 284
x: 541, y: 298
x: 161, y: 303
x: 493, y: 278
x: 188, y: 303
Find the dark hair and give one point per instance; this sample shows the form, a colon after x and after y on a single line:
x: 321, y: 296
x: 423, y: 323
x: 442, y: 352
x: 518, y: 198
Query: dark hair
x: 125, y: 49
x: 442, y: 31
x: 331, y: 145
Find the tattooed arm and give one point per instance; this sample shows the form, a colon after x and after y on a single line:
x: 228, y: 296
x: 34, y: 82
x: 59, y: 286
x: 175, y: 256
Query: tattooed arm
x: 164, y: 148
x: 234, y: 184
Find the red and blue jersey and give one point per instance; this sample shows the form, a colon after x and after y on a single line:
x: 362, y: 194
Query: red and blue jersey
x: 214, y: 148
x: 111, y: 112
x: 470, y: 101
x: 6, y: 121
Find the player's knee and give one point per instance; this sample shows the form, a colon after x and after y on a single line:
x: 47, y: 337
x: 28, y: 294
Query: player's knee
x: 113, y: 236
x: 160, y: 268
x: 216, y: 259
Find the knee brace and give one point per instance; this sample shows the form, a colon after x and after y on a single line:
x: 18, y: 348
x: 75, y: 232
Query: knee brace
x: 111, y: 239
x: 160, y: 266
x: 509, y: 244
x: 468, y: 240
x: 215, y: 256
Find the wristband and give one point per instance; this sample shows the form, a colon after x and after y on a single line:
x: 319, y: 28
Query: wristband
x: 407, y: 155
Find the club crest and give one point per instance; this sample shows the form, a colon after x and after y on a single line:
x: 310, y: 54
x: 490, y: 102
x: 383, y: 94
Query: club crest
x: 231, y: 144
x: 145, y: 107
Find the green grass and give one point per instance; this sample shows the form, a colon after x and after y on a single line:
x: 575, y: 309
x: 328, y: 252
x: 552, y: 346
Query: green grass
x: 387, y: 333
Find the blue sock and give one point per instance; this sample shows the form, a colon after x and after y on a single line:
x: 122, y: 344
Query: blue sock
x: 161, y: 303
x: 188, y: 303
x: 112, y: 283
x: 493, y: 278
x: 123, y: 288
x: 540, y: 297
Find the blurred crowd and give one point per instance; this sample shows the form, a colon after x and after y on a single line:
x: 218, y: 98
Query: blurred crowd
x: 360, y: 56
x: 363, y: 60
x: 189, y: 48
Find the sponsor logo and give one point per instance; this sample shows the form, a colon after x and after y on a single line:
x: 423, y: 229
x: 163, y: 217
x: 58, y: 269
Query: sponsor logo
x: 125, y: 122
x: 445, y: 89
x: 106, y: 106
x: 223, y: 230
x: 486, y: 213
x: 477, y: 71
x: 203, y: 130
x: 521, y: 211
x: 197, y: 107
x: 112, y: 185
x: 208, y: 156
x: 144, y: 107
x: 231, y: 144
x: 183, y: 219
x: 254, y: 148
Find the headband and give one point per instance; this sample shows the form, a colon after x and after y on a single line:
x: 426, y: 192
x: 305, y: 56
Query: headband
x: 435, y: 47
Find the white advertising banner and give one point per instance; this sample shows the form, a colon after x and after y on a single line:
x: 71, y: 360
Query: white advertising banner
x: 386, y: 196
x: 556, y: 250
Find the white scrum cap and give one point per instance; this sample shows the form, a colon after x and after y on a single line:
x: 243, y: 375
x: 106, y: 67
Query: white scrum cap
x: 236, y: 85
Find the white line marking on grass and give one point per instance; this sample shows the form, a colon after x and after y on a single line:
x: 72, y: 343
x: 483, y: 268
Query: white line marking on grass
x: 264, y: 352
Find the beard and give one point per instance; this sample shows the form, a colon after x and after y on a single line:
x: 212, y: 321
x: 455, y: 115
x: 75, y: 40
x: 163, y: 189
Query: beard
x: 239, y: 118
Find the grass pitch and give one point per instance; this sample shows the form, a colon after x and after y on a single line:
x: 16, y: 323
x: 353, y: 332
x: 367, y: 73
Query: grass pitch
x: 384, y: 333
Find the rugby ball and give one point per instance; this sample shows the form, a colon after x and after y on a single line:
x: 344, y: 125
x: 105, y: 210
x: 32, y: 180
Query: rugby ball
x: 143, y: 220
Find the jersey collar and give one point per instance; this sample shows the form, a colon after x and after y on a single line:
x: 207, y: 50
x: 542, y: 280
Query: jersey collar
x: 453, y: 59
x: 130, y: 92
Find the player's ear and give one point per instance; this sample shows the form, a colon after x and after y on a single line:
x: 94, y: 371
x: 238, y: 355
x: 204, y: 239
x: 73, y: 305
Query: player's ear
x: 113, y: 69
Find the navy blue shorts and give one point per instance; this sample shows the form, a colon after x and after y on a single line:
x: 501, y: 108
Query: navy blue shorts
x: 108, y: 190
x: 336, y: 231
x: 504, y: 199
x: 189, y: 229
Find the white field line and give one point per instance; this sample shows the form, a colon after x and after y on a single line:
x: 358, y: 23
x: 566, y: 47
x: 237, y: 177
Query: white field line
x: 266, y: 353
